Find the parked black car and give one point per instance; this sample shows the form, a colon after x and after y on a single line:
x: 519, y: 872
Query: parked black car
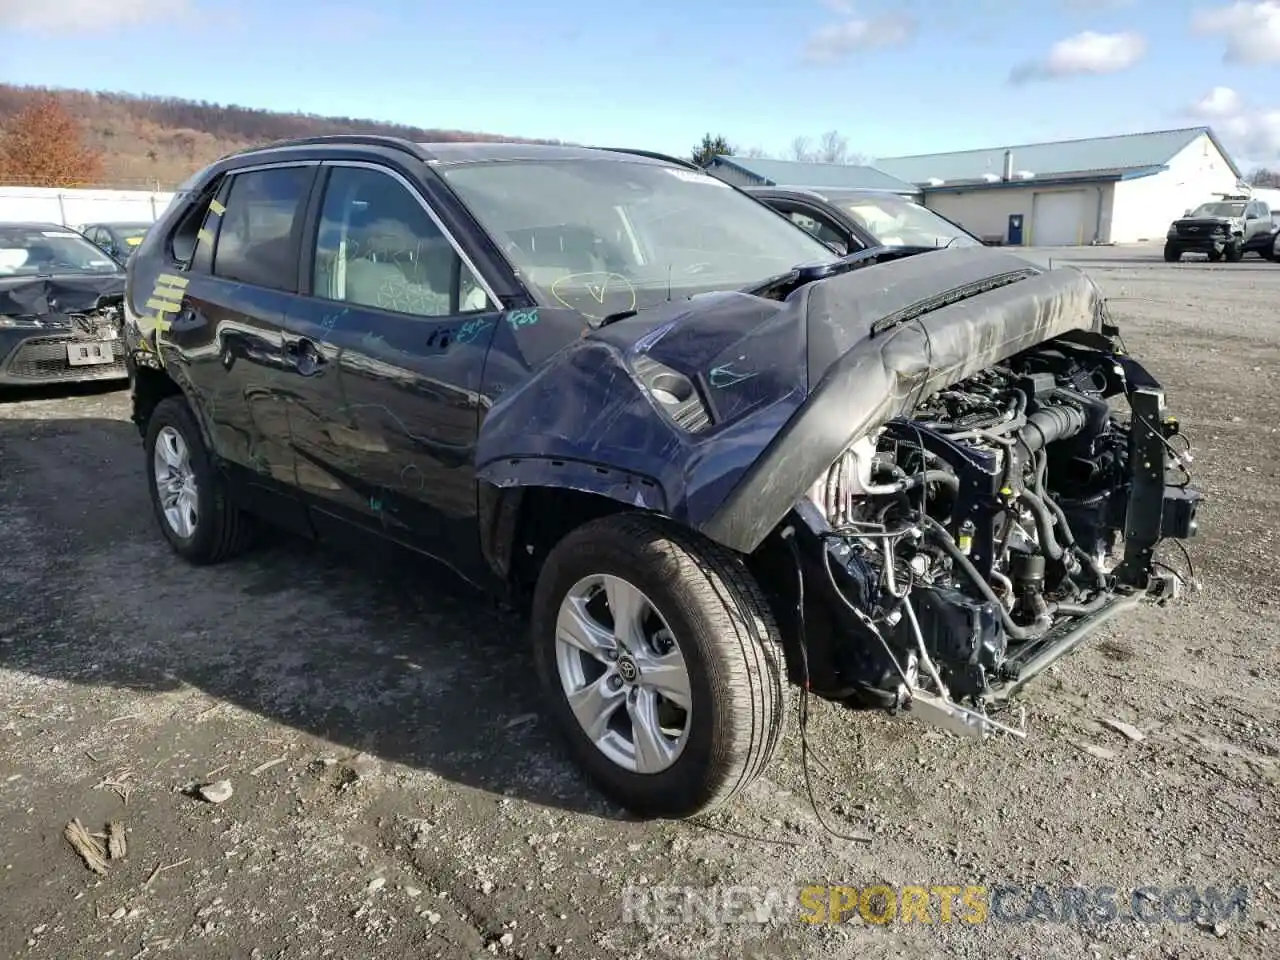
x: 117, y: 238
x: 61, y: 307
x: 851, y: 220
x: 1224, y: 229
x: 709, y: 457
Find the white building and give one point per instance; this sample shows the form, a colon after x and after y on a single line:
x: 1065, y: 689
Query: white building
x: 1123, y: 189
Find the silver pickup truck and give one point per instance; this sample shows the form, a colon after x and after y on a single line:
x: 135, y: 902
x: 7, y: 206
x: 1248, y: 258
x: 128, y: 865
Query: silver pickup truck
x: 1226, y: 228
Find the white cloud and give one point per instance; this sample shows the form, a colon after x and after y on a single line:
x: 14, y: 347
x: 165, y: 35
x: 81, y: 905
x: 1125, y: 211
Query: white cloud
x: 1096, y: 4
x: 1252, y: 135
x: 835, y: 41
x: 1085, y: 53
x: 86, y: 15
x: 1251, y: 29
x: 1218, y: 104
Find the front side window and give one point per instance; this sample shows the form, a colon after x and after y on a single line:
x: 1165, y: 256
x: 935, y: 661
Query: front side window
x: 255, y: 235
x: 34, y: 252
x: 896, y: 221
x: 378, y: 247
x: 605, y: 236
x: 821, y: 229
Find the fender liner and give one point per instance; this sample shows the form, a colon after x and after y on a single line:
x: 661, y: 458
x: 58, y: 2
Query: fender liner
x: 504, y: 483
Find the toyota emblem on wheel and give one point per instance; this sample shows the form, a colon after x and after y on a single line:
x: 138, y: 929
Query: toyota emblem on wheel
x: 628, y: 670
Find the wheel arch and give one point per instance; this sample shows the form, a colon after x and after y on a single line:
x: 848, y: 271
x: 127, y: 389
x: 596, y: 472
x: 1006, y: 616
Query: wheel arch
x: 151, y: 385
x: 528, y: 505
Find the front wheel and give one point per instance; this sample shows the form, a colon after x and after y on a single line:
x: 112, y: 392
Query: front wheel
x: 192, y: 505
x: 1171, y: 253
x: 1234, y: 251
x: 661, y: 662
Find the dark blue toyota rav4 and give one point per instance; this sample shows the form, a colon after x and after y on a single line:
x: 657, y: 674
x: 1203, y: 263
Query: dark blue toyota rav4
x: 714, y: 460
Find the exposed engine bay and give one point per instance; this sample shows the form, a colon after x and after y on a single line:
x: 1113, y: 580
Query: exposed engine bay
x: 967, y: 548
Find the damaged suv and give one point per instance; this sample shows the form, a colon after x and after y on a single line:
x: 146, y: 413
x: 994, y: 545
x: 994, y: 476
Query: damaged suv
x: 713, y: 460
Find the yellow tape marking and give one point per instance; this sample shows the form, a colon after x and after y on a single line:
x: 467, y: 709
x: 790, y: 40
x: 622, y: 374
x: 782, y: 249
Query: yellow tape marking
x: 216, y: 208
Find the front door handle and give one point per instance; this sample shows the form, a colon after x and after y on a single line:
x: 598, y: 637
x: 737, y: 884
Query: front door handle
x: 306, y: 356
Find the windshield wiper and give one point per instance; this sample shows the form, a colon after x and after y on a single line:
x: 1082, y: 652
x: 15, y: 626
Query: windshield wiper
x: 615, y: 317
x: 784, y: 284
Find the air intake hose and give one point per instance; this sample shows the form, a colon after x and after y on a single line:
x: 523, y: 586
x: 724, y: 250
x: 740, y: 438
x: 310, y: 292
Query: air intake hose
x: 1049, y: 424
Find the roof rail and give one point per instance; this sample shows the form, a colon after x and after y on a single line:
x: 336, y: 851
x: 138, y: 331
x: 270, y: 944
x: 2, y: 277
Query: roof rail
x: 654, y: 155
x: 368, y: 139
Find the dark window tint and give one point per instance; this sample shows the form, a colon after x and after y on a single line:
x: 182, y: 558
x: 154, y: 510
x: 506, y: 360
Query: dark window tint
x: 378, y: 247
x: 255, y: 236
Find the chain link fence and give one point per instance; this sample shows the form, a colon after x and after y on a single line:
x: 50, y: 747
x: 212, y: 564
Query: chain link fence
x: 150, y: 184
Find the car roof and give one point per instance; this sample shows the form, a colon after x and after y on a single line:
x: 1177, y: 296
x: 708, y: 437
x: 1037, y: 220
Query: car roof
x: 27, y: 225
x: 827, y: 193
x: 446, y: 153
x: 119, y: 223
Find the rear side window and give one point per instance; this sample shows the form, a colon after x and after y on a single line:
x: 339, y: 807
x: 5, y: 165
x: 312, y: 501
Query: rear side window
x: 256, y: 242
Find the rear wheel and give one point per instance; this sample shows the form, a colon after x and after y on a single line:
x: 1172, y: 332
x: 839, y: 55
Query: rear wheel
x: 1172, y: 254
x: 192, y: 505
x: 1234, y: 251
x: 661, y: 662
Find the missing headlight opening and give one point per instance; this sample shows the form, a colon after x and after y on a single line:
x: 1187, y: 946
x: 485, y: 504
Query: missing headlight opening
x: 970, y: 546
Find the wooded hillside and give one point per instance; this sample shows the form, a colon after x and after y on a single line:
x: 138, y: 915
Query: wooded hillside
x: 148, y: 141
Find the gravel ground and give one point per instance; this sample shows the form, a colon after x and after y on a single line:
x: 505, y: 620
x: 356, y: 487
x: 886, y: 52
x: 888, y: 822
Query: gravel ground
x: 397, y: 793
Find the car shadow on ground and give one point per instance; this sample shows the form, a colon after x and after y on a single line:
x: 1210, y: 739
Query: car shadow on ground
x: 61, y: 391
x: 385, y: 653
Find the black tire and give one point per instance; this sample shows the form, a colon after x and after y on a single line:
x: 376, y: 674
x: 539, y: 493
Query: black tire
x: 1172, y: 253
x: 222, y: 530
x: 729, y: 641
x: 1235, y: 251
x: 1215, y: 256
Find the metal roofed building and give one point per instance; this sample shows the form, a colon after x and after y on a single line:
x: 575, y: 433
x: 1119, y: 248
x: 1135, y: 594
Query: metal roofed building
x: 755, y: 172
x: 1121, y: 189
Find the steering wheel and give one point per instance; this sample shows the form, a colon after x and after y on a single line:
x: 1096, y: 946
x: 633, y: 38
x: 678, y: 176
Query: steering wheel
x: 595, y: 295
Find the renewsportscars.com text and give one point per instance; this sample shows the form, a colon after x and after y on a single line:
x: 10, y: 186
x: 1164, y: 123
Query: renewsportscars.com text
x: 940, y: 904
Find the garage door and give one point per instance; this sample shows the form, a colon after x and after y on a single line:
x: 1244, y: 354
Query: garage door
x: 1058, y: 219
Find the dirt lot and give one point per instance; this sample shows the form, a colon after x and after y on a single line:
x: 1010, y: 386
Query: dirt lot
x: 397, y: 793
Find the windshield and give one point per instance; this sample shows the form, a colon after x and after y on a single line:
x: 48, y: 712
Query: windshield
x: 1219, y: 210
x: 607, y: 236
x: 39, y: 252
x: 895, y: 221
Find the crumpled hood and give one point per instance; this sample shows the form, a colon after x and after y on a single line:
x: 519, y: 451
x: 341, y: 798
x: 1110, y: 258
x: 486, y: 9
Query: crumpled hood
x: 58, y: 295
x: 789, y: 384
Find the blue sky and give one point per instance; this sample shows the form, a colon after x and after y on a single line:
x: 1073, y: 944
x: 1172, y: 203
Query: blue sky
x: 893, y: 76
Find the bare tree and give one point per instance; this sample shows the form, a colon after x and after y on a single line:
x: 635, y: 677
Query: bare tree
x: 800, y: 149
x: 833, y: 148
x: 1262, y: 177
x: 760, y: 153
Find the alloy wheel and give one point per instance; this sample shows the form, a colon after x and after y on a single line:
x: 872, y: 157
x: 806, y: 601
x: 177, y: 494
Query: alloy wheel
x: 176, y: 482
x: 624, y: 675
